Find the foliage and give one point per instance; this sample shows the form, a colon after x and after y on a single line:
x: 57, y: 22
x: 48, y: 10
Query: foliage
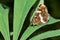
x: 21, y: 10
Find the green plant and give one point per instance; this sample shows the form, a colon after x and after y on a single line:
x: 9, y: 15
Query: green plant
x: 21, y: 10
x: 4, y: 27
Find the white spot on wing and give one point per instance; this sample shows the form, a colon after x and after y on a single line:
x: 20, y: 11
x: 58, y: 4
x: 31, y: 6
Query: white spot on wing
x: 38, y: 11
x: 41, y: 19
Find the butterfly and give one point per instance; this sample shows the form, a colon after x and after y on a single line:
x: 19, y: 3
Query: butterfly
x: 41, y: 15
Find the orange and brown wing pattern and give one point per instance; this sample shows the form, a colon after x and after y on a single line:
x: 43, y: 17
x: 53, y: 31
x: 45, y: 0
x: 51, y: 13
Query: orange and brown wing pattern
x: 41, y: 15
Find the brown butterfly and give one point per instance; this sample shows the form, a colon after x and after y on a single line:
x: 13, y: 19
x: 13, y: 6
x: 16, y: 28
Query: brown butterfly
x: 41, y: 15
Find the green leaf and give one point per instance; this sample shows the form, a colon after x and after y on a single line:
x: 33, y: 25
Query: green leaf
x: 47, y: 35
x: 4, y: 26
x: 21, y: 8
x: 11, y: 33
x: 52, y: 20
x: 32, y: 29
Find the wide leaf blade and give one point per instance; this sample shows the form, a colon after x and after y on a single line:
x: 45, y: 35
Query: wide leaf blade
x: 4, y: 26
x: 47, y: 35
x: 21, y: 8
